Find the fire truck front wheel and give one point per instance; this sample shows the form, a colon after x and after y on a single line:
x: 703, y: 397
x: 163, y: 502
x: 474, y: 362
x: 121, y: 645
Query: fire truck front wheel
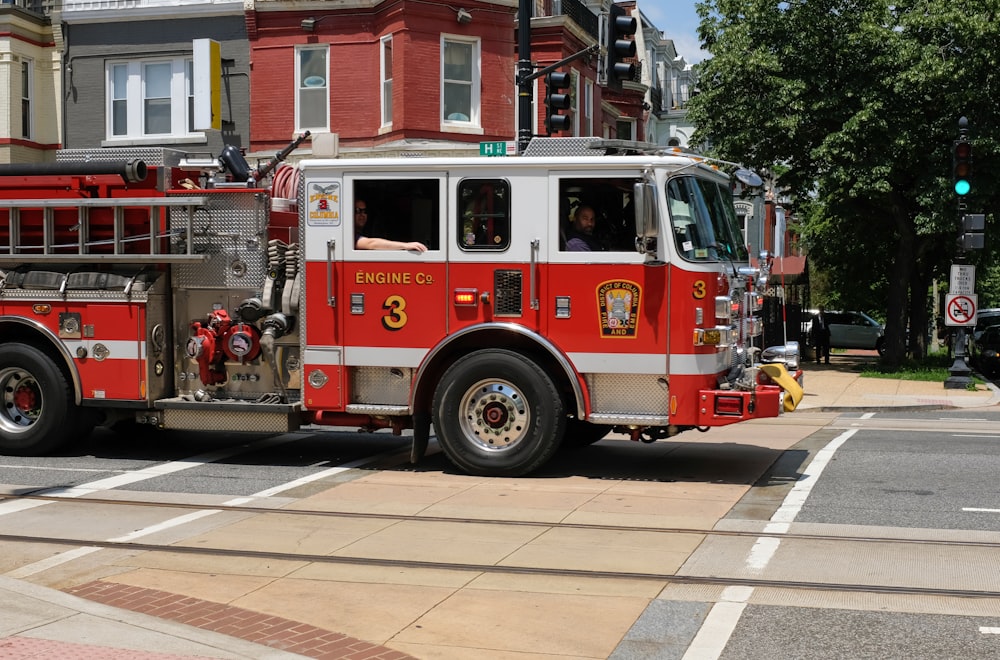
x: 498, y: 413
x: 37, y: 412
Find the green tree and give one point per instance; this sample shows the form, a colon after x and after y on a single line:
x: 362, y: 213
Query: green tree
x: 859, y: 100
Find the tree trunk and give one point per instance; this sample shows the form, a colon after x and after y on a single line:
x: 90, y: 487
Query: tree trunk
x: 918, y: 313
x: 900, y: 274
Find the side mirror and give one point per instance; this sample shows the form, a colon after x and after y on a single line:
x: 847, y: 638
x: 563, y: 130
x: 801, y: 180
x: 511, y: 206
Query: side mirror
x: 646, y: 225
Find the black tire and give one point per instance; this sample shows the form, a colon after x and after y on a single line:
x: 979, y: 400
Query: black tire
x: 580, y: 433
x: 880, y: 346
x: 498, y: 414
x: 37, y: 411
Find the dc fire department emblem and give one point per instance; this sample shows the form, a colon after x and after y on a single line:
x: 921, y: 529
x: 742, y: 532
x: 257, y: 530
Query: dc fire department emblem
x: 618, y: 307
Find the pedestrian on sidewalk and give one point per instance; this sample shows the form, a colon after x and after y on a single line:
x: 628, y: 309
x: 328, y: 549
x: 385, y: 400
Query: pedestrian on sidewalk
x: 820, y: 331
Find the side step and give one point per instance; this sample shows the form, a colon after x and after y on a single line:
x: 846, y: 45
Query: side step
x: 629, y: 419
x: 228, y: 415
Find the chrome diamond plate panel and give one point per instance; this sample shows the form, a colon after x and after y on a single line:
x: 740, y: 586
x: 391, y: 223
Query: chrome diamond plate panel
x: 155, y: 156
x: 381, y: 385
x: 239, y: 421
x: 231, y: 229
x: 625, y: 394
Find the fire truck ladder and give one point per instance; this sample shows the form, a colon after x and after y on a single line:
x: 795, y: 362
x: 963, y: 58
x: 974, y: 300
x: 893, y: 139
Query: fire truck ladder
x: 83, y: 250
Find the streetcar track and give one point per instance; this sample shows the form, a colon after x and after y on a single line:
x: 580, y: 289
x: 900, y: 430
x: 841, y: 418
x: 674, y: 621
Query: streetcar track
x: 673, y: 578
x: 360, y: 515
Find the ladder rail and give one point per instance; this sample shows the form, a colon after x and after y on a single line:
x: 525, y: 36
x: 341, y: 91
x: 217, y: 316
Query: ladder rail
x: 13, y: 251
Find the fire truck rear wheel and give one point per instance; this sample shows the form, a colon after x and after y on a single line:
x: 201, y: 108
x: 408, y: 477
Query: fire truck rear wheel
x: 37, y: 411
x: 498, y: 413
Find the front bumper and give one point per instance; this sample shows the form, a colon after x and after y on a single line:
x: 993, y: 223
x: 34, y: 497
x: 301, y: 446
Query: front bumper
x: 721, y: 407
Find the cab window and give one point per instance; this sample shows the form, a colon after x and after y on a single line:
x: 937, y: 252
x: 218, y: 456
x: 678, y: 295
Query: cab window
x: 398, y: 209
x: 610, y: 200
x: 483, y: 214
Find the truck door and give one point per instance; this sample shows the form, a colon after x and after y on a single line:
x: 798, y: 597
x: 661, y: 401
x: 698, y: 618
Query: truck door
x: 496, y: 237
x: 323, y: 243
x: 393, y: 308
x: 608, y: 310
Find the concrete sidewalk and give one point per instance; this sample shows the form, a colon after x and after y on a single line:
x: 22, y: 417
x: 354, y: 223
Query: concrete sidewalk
x: 839, y: 386
x: 38, y: 622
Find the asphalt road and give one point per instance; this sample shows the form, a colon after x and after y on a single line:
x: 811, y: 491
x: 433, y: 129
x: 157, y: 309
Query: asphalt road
x: 913, y: 476
x: 875, y: 478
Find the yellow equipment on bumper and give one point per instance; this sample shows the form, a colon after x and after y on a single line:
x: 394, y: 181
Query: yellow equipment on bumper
x: 780, y: 375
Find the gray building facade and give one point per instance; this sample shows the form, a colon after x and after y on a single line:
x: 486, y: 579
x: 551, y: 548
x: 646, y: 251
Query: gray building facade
x: 128, y: 77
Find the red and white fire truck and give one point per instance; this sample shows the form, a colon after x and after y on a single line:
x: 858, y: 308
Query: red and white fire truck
x: 146, y: 287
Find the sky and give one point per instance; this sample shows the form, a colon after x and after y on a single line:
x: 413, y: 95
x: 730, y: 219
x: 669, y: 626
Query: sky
x: 677, y: 20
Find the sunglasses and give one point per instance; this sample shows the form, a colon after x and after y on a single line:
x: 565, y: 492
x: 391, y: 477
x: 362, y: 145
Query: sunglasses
x: 360, y: 210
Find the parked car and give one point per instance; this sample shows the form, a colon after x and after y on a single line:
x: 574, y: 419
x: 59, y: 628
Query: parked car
x: 848, y: 330
x: 985, y: 318
x: 985, y: 352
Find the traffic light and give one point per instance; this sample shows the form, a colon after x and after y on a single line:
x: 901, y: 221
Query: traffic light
x: 555, y: 100
x: 620, y: 26
x: 962, y: 166
x: 973, y: 226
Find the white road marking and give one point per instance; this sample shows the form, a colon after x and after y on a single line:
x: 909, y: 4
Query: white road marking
x: 867, y: 415
x: 159, y: 470
x: 986, y: 630
x: 724, y: 616
x: 975, y: 510
x: 715, y: 631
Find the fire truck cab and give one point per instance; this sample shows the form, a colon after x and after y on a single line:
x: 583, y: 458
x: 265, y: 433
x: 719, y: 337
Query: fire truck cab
x: 228, y: 307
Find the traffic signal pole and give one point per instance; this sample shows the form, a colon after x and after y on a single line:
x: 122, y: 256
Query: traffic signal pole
x: 971, y: 238
x: 526, y: 76
x: 524, y: 79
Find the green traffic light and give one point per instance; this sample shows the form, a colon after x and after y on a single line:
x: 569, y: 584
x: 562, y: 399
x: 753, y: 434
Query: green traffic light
x: 962, y: 187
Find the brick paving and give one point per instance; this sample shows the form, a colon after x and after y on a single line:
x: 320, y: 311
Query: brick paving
x: 30, y: 648
x: 275, y: 632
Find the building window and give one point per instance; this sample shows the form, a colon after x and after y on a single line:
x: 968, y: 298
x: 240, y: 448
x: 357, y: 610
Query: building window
x: 484, y: 214
x: 149, y: 98
x: 189, y: 82
x: 588, y: 108
x: 625, y: 129
x: 119, y: 99
x: 312, y: 100
x: 460, y: 80
x: 386, y: 76
x: 156, y: 79
x: 26, y: 83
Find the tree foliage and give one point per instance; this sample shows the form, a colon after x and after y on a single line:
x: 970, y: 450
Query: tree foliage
x: 859, y: 100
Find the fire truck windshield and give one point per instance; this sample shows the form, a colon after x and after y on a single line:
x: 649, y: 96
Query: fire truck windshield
x: 704, y: 221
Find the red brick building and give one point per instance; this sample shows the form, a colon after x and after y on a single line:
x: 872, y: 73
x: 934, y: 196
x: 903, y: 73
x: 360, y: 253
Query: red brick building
x: 415, y: 76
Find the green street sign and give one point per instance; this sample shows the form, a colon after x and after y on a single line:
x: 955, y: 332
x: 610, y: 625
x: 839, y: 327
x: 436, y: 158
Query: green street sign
x: 492, y: 148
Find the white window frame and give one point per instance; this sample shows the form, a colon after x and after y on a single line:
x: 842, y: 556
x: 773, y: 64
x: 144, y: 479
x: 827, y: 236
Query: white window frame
x: 299, y: 126
x: 574, y: 101
x: 27, y: 89
x: 632, y: 127
x: 472, y: 125
x: 588, y: 108
x: 134, y: 96
x: 386, y: 53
